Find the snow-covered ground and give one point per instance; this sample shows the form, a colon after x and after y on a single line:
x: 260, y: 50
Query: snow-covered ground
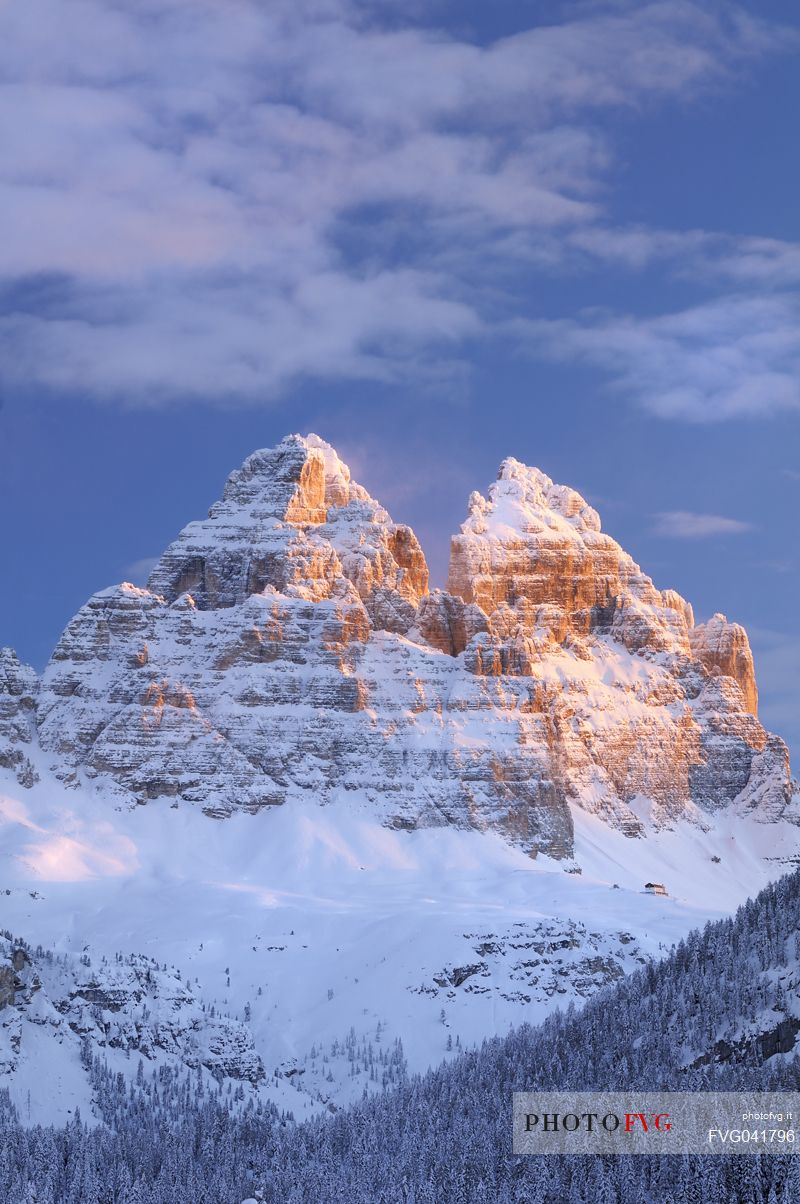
x: 332, y: 936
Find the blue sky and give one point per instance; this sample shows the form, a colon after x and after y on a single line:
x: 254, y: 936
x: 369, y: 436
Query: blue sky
x: 437, y: 234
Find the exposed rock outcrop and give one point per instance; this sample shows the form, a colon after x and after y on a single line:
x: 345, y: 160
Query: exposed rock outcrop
x: 19, y: 686
x: 130, y: 1004
x: 292, y: 519
x: 724, y: 647
x: 287, y: 647
x: 536, y: 542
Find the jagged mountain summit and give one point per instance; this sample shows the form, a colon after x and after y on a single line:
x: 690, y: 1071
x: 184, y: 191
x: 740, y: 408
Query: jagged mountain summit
x: 288, y: 647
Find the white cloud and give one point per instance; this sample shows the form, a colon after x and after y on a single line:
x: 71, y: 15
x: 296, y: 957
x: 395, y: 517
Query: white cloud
x: 732, y: 357
x: 227, y: 340
x: 184, y: 172
x: 699, y: 255
x: 686, y: 524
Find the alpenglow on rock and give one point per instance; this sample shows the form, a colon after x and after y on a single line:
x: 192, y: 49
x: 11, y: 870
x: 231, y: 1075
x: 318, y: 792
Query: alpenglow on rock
x: 288, y: 647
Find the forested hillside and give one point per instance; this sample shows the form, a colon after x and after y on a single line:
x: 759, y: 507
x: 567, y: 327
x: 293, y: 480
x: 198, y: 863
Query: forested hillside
x: 716, y: 1014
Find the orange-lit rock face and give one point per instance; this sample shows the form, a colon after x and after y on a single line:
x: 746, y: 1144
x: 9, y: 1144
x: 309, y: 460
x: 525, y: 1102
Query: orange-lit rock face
x: 307, y: 504
x: 541, y: 543
x: 724, y: 647
x: 288, y: 648
x: 291, y: 518
x: 408, y: 555
x: 533, y: 558
x: 447, y: 623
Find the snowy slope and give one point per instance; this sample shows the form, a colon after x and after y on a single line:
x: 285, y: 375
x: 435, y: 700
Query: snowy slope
x: 335, y: 932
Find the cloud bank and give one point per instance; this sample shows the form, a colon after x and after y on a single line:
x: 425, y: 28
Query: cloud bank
x: 217, y: 201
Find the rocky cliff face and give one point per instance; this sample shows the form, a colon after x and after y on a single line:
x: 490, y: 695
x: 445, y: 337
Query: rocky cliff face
x: 288, y: 647
x: 291, y: 520
x: 131, y: 1004
x: 724, y: 647
x: 18, y: 689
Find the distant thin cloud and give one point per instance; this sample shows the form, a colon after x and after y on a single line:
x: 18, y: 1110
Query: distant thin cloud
x: 779, y: 566
x: 138, y: 571
x: 732, y: 357
x: 686, y: 524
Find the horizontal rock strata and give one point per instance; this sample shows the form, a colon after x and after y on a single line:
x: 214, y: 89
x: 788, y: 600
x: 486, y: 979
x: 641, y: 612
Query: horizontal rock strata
x: 288, y: 647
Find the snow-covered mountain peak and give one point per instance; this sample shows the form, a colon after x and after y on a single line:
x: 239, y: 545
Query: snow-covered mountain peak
x: 288, y: 649
x: 294, y: 481
x: 524, y: 499
x: 292, y: 519
x: 532, y: 539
